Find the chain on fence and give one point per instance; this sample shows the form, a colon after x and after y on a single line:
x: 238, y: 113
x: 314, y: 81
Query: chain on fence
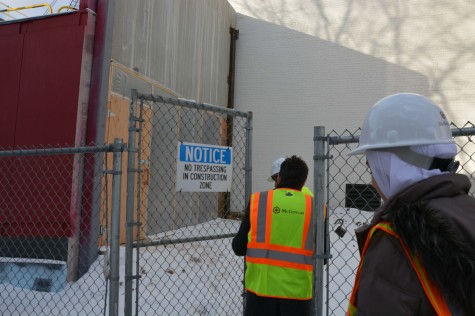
x: 54, y: 210
x: 352, y: 200
x: 182, y: 237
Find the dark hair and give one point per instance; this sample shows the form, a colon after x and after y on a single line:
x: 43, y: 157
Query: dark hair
x: 293, y: 173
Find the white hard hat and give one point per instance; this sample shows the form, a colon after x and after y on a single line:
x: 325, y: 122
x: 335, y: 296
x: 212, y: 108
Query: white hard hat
x: 403, y: 119
x: 275, y: 168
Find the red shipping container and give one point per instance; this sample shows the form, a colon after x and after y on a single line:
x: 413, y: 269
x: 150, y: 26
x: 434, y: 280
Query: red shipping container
x: 44, y: 85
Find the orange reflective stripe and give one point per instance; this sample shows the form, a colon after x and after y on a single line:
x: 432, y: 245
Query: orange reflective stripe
x: 356, y: 283
x: 288, y: 249
x: 279, y: 255
x: 307, y: 221
x: 358, y: 272
x: 279, y: 263
x: 253, y: 214
x: 277, y: 296
x: 431, y: 290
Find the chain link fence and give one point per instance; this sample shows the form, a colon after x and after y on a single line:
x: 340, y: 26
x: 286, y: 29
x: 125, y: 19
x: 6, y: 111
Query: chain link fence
x: 61, y: 212
x: 98, y: 231
x: 188, y: 232
x: 351, y: 202
x: 53, y: 203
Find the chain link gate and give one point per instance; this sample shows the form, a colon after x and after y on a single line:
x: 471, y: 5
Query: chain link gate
x: 178, y: 243
x: 55, y: 202
x: 350, y: 203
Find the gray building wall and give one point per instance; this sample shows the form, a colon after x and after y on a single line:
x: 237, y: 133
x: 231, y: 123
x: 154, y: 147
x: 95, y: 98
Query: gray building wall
x: 183, y: 45
x: 179, y: 48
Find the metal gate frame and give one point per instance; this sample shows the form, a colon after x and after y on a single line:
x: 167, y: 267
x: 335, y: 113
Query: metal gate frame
x: 136, y: 121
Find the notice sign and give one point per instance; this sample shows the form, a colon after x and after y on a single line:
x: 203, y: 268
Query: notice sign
x: 204, y: 168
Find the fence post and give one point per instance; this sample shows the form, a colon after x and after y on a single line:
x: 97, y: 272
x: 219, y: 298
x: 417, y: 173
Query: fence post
x: 115, y: 228
x: 318, y: 217
x: 131, y: 170
x: 247, y: 190
x: 248, y: 163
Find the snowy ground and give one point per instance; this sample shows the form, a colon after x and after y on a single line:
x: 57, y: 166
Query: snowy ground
x: 197, y: 278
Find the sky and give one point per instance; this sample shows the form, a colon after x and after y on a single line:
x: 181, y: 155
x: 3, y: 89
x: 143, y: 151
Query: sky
x: 25, y: 13
x: 196, y: 278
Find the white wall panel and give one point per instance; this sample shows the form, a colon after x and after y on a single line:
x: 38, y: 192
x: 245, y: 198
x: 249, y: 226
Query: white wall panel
x: 294, y: 81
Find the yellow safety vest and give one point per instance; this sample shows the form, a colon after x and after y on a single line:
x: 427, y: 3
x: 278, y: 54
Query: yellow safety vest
x: 431, y: 290
x: 279, y: 257
x: 306, y: 190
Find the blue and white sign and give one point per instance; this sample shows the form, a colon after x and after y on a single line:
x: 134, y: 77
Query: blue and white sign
x: 204, y: 168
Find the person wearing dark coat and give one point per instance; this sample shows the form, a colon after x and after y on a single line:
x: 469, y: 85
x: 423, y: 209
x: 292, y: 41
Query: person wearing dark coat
x: 418, y: 252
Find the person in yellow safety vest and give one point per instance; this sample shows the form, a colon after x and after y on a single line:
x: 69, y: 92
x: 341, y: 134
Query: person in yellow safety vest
x: 276, y: 236
x: 417, y: 256
x: 274, y: 172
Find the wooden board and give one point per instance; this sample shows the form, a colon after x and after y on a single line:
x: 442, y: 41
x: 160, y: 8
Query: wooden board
x: 117, y: 125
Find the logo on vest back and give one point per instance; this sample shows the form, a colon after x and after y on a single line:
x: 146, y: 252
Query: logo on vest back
x: 278, y: 210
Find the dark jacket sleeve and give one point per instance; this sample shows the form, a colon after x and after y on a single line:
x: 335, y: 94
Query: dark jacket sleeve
x: 239, y: 242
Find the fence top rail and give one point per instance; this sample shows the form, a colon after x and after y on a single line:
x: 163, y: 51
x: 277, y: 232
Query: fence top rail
x: 58, y: 151
x: 467, y: 131
x: 335, y: 140
x: 192, y: 104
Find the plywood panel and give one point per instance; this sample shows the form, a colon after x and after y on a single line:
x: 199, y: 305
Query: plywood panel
x: 117, y: 127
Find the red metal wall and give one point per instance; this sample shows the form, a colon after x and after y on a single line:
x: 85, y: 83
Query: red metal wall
x: 41, y: 105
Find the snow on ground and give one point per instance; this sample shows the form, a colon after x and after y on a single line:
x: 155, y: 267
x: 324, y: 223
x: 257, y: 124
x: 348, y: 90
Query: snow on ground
x: 191, y: 278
